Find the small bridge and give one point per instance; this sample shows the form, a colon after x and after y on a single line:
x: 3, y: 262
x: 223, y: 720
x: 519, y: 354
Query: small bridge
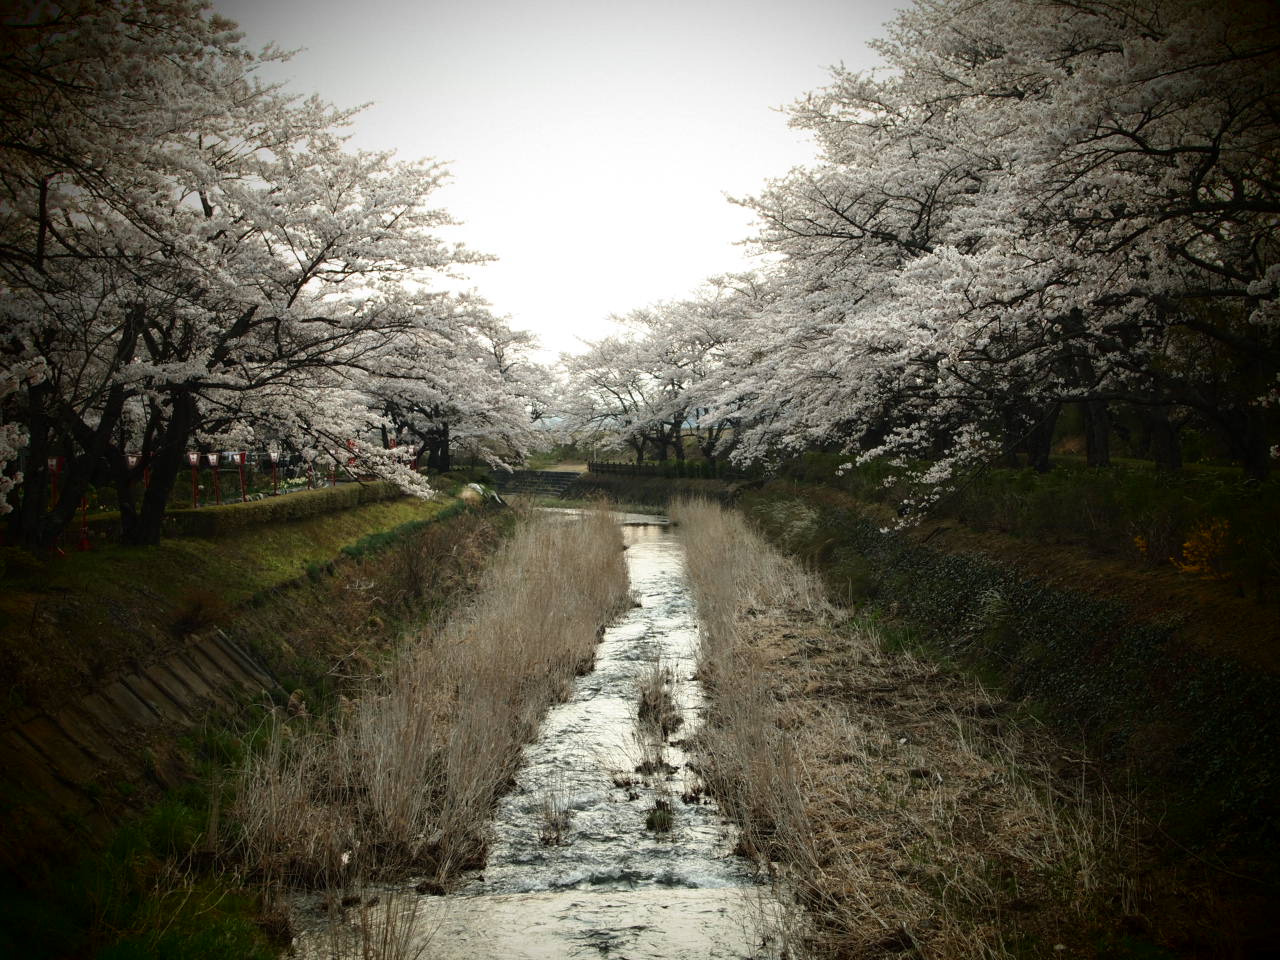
x: 537, y: 483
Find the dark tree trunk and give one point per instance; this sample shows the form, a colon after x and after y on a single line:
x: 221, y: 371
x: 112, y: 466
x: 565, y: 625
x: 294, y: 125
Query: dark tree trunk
x: 708, y: 441
x: 1255, y: 453
x: 1097, y: 433
x: 36, y: 523
x: 1013, y: 436
x: 677, y: 440
x: 27, y: 521
x: 169, y: 458
x: 1040, y: 438
x: 1163, y: 439
x: 125, y: 501
x: 1246, y: 434
x: 438, y: 457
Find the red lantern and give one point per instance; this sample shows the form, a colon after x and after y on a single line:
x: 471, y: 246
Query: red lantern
x: 193, y: 458
x: 239, y: 458
x: 55, y: 468
x: 217, y: 484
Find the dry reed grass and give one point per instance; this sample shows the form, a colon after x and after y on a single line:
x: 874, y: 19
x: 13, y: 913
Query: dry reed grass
x: 657, y: 713
x: 401, y: 782
x: 901, y: 808
x: 386, y: 926
x: 347, y: 617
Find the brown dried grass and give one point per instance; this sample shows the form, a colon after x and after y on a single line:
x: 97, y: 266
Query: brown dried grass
x: 402, y: 781
x: 901, y: 809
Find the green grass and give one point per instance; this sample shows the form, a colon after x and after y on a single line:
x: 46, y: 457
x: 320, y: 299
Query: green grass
x: 152, y: 887
x: 1205, y: 517
x: 65, y: 620
x: 382, y: 539
x: 138, y: 896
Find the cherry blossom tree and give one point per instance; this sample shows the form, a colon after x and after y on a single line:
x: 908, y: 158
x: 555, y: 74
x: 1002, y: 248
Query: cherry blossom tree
x: 193, y: 255
x: 468, y: 384
x: 1039, y: 203
x: 606, y: 397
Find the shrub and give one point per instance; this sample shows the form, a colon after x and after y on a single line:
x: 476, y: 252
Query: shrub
x: 196, y: 609
x: 1154, y: 517
x: 213, y: 522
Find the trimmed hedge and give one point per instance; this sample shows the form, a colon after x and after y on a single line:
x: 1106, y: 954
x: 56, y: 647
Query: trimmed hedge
x: 216, y: 521
x: 230, y: 518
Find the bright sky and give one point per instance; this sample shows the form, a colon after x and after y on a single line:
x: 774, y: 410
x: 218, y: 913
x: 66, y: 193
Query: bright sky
x: 591, y: 143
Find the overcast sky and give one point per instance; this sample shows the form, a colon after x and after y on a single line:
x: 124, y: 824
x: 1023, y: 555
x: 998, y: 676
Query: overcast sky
x: 591, y: 143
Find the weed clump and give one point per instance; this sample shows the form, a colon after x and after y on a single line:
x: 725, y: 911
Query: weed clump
x: 554, y: 821
x: 198, y: 609
x: 402, y: 781
x: 660, y: 817
x: 657, y: 711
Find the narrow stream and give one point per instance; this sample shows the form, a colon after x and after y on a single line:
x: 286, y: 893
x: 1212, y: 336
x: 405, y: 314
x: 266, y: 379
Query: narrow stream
x: 574, y: 871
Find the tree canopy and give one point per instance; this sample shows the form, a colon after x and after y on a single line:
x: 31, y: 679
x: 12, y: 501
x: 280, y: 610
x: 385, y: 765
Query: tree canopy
x: 1036, y: 203
x: 193, y: 257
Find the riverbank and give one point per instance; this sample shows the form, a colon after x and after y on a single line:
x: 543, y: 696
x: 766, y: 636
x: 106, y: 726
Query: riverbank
x: 119, y: 850
x: 399, y: 783
x: 68, y: 622
x: 1180, y: 728
x: 900, y: 807
x: 605, y: 842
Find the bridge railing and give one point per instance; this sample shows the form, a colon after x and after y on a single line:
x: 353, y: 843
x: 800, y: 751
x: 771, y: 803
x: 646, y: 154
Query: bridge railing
x: 708, y: 469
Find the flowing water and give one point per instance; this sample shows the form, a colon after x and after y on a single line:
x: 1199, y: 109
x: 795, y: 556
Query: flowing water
x: 574, y: 871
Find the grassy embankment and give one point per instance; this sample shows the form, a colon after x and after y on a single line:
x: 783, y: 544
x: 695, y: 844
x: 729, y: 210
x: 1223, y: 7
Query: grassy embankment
x: 903, y: 809
x: 1164, y: 671
x: 1207, y: 523
x: 402, y: 780
x: 67, y: 622
x: 320, y: 600
x: 1168, y: 668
